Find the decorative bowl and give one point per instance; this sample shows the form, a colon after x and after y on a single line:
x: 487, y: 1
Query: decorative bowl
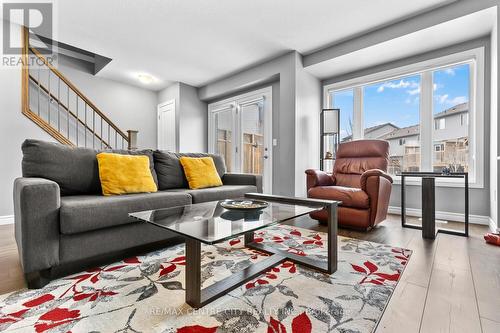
x: 244, y: 204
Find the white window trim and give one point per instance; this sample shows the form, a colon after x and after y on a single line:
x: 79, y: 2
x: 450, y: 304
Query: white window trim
x: 425, y: 68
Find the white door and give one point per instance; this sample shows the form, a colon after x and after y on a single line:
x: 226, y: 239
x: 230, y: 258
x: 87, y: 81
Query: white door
x: 240, y: 129
x: 166, y: 126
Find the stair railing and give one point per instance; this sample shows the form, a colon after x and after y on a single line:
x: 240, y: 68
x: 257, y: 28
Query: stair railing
x: 62, y: 110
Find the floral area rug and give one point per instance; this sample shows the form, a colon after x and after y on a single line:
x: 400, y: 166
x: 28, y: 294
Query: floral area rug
x: 146, y: 293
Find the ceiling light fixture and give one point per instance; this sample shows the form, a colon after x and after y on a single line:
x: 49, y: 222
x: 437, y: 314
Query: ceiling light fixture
x: 145, y: 78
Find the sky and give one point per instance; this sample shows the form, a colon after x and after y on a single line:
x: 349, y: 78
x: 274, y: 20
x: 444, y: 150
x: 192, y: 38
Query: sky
x: 397, y: 101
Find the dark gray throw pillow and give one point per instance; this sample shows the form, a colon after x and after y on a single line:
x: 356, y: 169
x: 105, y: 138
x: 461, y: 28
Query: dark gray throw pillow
x: 74, y: 169
x: 170, y: 172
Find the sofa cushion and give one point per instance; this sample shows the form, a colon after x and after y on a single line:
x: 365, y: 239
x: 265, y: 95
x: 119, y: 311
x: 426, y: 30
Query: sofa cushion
x: 118, y: 241
x: 350, y: 196
x: 218, y: 193
x: 73, y: 169
x: 170, y: 172
x: 91, y: 212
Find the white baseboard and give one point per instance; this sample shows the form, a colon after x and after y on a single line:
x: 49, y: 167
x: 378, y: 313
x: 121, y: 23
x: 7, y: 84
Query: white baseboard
x: 8, y: 219
x: 447, y: 216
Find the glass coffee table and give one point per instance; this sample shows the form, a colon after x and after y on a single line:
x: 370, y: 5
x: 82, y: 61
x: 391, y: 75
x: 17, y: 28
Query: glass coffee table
x: 210, y: 223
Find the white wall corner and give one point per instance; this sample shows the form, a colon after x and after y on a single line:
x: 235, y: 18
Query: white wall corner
x: 8, y: 219
x: 493, y: 226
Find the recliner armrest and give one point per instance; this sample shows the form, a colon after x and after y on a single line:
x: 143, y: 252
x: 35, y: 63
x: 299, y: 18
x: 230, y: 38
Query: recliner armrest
x: 243, y: 179
x: 373, y: 173
x: 36, y: 216
x: 318, y: 178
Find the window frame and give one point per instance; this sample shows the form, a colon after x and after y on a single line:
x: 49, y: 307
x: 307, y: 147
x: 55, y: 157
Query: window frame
x: 475, y: 58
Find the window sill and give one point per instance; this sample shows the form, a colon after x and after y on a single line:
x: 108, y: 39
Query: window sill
x: 439, y: 182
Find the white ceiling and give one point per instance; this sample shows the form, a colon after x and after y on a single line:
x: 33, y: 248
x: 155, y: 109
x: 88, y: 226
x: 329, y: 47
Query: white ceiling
x: 452, y: 32
x: 198, y: 41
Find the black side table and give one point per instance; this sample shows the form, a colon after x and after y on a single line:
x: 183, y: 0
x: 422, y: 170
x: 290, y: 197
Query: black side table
x: 429, y: 203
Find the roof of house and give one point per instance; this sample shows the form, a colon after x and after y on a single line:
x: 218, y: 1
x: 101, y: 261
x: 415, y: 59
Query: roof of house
x: 414, y: 129
x: 402, y: 132
x: 372, y: 129
x: 459, y: 108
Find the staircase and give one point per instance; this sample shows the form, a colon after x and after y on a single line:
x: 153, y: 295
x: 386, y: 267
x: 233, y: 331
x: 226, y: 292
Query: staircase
x: 56, y: 105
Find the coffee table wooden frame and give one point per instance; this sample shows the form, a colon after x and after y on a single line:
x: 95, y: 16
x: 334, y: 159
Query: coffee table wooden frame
x: 197, y: 297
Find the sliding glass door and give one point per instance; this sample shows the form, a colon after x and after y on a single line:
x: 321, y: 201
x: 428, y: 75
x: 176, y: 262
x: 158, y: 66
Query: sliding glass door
x: 240, y: 130
x: 224, y: 132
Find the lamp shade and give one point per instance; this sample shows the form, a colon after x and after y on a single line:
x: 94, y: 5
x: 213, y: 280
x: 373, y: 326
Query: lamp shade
x: 331, y: 121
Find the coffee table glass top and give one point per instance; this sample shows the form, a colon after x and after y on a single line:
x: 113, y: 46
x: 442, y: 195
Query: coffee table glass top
x: 210, y: 223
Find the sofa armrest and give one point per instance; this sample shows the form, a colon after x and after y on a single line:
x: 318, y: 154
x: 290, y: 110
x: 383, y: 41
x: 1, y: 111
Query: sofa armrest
x: 243, y: 179
x: 318, y: 178
x: 373, y: 173
x: 36, y: 216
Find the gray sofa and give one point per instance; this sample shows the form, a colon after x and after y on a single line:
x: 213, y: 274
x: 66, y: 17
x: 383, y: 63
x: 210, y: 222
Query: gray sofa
x: 63, y: 224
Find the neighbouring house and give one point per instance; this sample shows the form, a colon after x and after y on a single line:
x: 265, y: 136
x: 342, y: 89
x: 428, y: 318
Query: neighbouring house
x: 404, y: 150
x: 450, y: 141
x: 375, y: 132
x: 451, y: 138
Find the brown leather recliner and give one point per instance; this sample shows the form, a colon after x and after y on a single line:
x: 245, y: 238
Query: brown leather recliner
x: 359, y: 180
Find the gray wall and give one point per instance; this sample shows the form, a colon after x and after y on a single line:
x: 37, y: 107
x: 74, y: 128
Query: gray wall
x: 129, y: 107
x: 191, y: 117
x: 281, y: 69
x: 193, y: 122
x: 448, y: 199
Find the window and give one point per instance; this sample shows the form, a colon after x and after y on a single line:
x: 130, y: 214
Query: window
x: 429, y: 112
x: 344, y: 100
x: 450, y: 110
x: 464, y: 119
x: 391, y: 112
x: 439, y: 147
x: 439, y: 123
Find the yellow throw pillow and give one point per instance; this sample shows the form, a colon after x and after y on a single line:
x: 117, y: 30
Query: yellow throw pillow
x: 200, y: 172
x: 124, y: 174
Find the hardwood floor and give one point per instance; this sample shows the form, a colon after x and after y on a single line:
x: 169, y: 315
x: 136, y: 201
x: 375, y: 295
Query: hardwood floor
x: 451, y: 284
x: 11, y: 276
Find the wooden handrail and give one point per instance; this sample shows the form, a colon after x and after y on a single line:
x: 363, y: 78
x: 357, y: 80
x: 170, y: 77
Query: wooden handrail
x: 25, y: 71
x: 25, y: 95
x: 85, y: 126
x: 77, y: 91
x: 47, y: 128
